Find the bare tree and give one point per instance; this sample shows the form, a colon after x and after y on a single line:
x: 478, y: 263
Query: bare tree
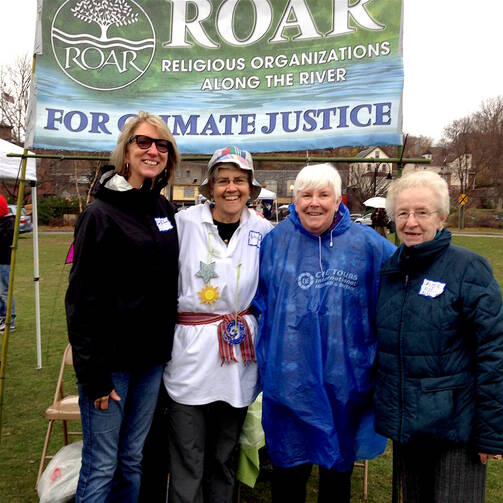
x: 416, y: 146
x: 489, y: 126
x: 366, y: 180
x: 15, y: 80
x: 105, y: 13
x: 475, y: 145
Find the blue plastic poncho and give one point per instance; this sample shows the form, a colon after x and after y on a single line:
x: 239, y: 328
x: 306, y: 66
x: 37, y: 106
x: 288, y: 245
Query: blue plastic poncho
x: 316, y: 342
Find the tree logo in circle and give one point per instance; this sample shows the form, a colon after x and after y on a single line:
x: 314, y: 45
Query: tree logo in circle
x: 305, y: 280
x: 103, y: 44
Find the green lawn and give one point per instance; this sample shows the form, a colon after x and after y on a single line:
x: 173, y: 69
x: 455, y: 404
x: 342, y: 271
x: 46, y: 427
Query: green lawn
x: 28, y: 391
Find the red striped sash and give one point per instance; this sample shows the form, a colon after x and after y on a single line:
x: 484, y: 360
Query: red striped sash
x: 225, y: 349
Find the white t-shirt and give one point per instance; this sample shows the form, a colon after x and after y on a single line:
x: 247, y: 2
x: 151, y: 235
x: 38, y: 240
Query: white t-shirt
x: 195, y: 375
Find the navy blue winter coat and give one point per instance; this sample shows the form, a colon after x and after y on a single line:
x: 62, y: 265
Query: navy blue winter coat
x: 440, y: 348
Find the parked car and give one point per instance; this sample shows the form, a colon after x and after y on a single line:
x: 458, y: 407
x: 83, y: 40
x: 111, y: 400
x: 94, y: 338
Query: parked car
x: 363, y: 219
x: 283, y: 211
x: 25, y: 222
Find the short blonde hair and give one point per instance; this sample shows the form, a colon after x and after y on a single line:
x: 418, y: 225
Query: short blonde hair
x: 317, y: 176
x: 119, y: 154
x: 423, y: 178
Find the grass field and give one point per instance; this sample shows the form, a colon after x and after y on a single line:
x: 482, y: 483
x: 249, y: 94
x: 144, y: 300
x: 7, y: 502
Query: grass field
x: 29, y: 391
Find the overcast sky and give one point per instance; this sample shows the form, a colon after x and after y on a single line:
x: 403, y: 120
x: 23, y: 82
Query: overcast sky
x: 452, y: 56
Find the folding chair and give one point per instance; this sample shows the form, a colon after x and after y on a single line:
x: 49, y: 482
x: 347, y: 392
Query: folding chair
x: 365, y: 465
x: 63, y: 408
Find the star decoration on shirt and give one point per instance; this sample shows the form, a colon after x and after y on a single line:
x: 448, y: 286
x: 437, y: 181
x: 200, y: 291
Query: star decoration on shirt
x: 206, y: 272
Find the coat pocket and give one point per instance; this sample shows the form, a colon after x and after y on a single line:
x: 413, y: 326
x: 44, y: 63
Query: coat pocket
x: 443, y: 411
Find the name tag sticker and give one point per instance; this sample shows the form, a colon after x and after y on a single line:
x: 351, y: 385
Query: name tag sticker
x: 254, y: 239
x: 431, y: 288
x: 163, y: 224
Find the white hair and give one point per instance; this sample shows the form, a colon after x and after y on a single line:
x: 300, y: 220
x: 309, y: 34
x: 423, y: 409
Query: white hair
x: 423, y: 178
x: 317, y: 176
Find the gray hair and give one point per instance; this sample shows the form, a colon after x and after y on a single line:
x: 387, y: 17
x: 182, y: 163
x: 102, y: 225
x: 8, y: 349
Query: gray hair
x: 317, y: 176
x: 423, y: 178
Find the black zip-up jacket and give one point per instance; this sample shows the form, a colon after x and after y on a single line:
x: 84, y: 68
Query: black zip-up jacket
x: 440, y: 348
x: 121, y: 302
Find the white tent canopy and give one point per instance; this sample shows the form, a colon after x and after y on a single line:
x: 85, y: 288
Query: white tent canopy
x: 10, y: 166
x: 267, y: 195
x: 10, y: 169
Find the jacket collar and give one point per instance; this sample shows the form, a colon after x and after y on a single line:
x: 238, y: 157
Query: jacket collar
x: 116, y: 190
x: 408, y: 258
x: 207, y: 217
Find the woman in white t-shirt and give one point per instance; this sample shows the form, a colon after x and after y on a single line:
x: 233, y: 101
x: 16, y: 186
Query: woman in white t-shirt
x: 212, y: 375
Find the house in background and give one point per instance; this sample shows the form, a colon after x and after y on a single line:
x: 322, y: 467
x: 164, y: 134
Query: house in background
x: 367, y: 179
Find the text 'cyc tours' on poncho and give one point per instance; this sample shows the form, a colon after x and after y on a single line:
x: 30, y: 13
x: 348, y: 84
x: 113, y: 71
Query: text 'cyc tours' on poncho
x: 316, y: 344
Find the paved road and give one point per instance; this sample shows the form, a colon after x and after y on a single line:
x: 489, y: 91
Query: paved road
x: 477, y: 235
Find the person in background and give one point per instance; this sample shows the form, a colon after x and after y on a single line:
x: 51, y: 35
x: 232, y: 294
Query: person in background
x: 379, y: 220
x: 121, y: 307
x: 439, y: 393
x: 316, y: 299
x: 212, y: 375
x: 6, y: 236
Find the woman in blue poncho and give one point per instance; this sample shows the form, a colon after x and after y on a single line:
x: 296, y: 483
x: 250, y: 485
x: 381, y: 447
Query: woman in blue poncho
x: 316, y: 344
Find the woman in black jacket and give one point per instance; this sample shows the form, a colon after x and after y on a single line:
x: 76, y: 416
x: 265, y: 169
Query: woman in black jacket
x: 121, y: 307
x: 439, y: 393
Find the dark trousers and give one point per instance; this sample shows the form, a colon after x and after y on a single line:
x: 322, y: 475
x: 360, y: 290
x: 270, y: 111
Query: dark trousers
x: 289, y: 485
x: 203, y: 451
x: 155, y: 466
x: 437, y: 474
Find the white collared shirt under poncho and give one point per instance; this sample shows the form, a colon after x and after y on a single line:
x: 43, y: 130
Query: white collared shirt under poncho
x: 195, y: 375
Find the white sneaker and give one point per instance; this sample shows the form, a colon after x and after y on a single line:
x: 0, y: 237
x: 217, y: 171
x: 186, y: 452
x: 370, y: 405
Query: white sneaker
x: 2, y: 326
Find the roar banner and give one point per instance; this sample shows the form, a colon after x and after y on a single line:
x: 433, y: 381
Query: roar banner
x: 269, y: 75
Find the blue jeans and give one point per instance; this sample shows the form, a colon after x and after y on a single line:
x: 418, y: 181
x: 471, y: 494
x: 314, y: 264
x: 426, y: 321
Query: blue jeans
x: 113, y: 439
x: 4, y: 290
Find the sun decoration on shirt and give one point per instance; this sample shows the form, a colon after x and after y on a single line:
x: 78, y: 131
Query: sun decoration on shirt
x: 209, y: 294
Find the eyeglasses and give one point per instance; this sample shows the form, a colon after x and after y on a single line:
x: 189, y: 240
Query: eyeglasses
x: 419, y: 215
x: 224, y: 182
x: 145, y: 142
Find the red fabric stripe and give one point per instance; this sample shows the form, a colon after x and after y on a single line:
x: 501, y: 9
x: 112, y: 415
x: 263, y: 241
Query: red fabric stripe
x: 225, y: 349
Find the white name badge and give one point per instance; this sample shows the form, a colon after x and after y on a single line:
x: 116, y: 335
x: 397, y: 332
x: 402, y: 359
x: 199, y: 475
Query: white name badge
x: 431, y: 288
x: 254, y: 238
x: 163, y: 224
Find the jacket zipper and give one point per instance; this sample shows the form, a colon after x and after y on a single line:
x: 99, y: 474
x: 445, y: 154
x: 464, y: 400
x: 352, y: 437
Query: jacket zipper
x: 400, y: 361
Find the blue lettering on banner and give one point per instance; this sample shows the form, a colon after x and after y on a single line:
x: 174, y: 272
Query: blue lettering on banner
x: 290, y: 122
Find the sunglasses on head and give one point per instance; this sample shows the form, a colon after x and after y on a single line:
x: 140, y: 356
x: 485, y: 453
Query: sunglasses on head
x: 145, y: 142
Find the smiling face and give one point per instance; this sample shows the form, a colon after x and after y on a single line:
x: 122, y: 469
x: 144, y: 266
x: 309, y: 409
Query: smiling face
x: 144, y: 163
x: 316, y: 208
x: 230, y: 191
x: 423, y: 220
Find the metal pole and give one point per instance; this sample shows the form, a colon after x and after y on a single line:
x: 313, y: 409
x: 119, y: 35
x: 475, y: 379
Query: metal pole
x: 36, y: 273
x: 376, y: 167
x: 258, y: 157
x: 8, y: 318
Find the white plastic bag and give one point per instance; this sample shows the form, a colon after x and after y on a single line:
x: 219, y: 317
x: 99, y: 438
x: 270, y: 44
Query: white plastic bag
x: 58, y: 483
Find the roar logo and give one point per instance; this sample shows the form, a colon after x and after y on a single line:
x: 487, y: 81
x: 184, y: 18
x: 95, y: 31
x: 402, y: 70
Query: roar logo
x: 103, y: 44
